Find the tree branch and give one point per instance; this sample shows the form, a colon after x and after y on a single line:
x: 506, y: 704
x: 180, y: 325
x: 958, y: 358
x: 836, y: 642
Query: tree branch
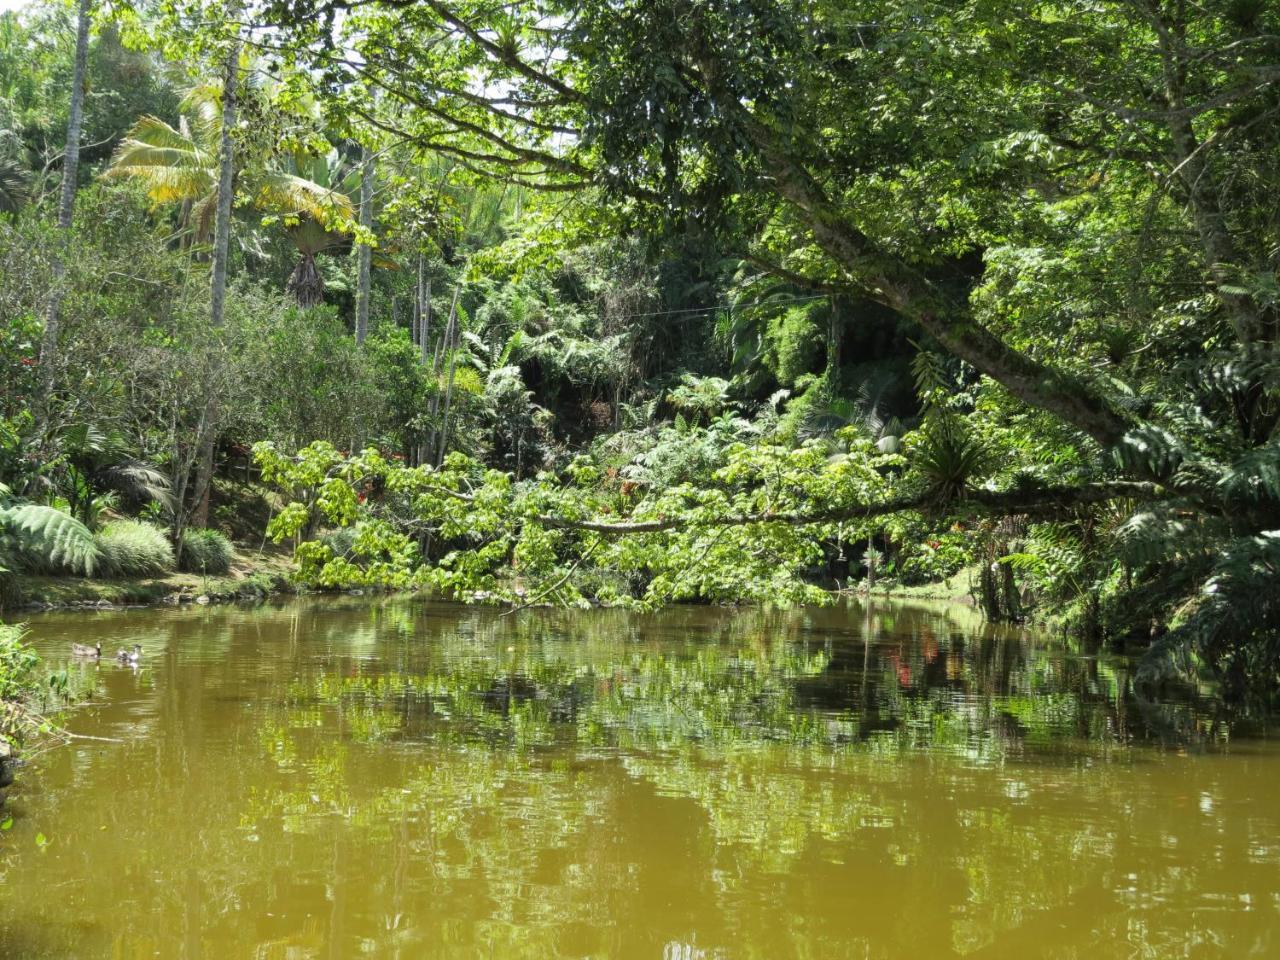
x: 1038, y: 502
x: 902, y: 288
x: 1035, y: 502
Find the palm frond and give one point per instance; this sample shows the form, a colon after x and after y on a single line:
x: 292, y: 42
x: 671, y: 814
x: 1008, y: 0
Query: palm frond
x: 13, y: 185
x: 136, y: 480
x: 289, y: 194
x: 311, y: 238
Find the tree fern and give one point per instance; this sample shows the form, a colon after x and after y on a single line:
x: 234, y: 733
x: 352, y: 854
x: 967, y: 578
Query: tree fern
x: 1151, y: 451
x: 1167, y: 532
x: 50, y: 540
x: 1254, y: 476
x: 1235, y: 625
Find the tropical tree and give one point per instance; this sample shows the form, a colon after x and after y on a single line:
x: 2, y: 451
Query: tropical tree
x: 1066, y: 199
x: 66, y: 202
x: 180, y: 165
x: 13, y: 184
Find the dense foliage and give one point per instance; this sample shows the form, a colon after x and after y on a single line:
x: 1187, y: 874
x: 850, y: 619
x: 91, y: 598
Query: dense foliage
x: 28, y: 693
x: 638, y: 302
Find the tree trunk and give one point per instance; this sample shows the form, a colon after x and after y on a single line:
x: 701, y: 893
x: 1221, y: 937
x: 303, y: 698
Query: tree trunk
x: 306, y: 283
x: 66, y: 212
x: 1249, y: 319
x: 424, y: 336
x: 221, y: 250
x: 226, y: 185
x: 833, y: 351
x: 448, y: 398
x: 364, y: 252
x: 442, y: 346
x: 988, y: 594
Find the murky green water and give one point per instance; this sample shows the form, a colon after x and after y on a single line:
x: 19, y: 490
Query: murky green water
x: 348, y: 779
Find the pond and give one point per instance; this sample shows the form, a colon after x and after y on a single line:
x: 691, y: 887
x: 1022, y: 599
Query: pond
x: 395, y: 778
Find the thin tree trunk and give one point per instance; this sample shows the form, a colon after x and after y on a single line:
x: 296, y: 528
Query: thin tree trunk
x: 364, y: 252
x: 833, y: 351
x: 66, y: 212
x: 424, y: 335
x: 221, y: 250
x: 442, y: 346
x: 448, y: 387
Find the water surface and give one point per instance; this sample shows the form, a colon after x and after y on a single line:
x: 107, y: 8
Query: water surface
x: 335, y: 779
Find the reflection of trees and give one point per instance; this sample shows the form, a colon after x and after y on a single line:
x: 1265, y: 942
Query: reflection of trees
x: 438, y: 778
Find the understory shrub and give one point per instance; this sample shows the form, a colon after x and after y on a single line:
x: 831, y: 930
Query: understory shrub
x: 18, y: 683
x: 206, y: 551
x: 131, y: 548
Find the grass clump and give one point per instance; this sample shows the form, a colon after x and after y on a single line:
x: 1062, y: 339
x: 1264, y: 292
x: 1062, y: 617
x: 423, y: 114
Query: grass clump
x: 130, y: 548
x: 206, y: 551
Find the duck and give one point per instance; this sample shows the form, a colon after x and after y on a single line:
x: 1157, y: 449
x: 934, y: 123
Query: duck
x: 130, y: 656
x: 86, y: 651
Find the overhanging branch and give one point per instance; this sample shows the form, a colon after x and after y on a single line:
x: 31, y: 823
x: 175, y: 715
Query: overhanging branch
x: 1035, y: 502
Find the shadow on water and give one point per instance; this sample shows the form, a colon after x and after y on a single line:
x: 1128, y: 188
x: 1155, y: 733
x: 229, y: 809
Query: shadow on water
x: 334, y: 778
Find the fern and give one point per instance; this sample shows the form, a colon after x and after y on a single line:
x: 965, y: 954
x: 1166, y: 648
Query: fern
x: 50, y: 540
x: 1166, y: 532
x: 1235, y: 628
x: 1255, y: 476
x: 1149, y: 450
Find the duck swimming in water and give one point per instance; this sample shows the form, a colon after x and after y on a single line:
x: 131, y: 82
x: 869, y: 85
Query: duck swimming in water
x: 85, y: 651
x: 130, y: 657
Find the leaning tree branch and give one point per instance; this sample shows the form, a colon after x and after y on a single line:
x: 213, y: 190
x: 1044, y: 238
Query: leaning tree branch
x: 1033, y: 502
x: 897, y: 285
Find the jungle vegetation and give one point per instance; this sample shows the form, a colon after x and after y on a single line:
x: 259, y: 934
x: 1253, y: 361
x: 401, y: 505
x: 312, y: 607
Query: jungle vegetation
x: 658, y: 301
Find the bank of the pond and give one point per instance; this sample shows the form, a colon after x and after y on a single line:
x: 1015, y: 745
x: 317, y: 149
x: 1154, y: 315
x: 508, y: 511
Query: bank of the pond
x: 270, y: 574
x: 262, y: 575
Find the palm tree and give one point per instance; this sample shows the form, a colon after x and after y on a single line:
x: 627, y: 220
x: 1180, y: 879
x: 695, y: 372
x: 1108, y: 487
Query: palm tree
x: 311, y: 237
x: 364, y: 252
x: 66, y: 207
x: 180, y: 165
x: 13, y: 185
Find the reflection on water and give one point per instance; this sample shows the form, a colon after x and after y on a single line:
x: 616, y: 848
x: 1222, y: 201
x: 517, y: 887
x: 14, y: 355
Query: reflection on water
x: 396, y: 779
